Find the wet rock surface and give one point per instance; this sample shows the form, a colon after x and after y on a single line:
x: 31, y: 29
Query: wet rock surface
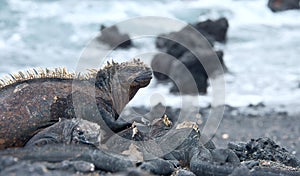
x: 214, y: 30
x: 282, y: 5
x: 188, y: 52
x: 199, y: 70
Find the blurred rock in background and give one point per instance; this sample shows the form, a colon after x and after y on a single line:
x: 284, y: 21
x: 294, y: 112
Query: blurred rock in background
x: 112, y: 37
x: 193, y: 52
x: 281, y: 5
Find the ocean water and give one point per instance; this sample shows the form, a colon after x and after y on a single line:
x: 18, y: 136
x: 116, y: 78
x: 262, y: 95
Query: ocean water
x: 262, y: 51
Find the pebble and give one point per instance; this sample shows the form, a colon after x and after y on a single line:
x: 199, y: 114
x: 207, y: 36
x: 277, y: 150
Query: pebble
x: 183, y: 172
x: 158, y: 166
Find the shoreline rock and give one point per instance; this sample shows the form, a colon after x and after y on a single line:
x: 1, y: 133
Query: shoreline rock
x: 112, y: 37
x: 282, y: 5
x: 178, y: 46
x: 215, y: 30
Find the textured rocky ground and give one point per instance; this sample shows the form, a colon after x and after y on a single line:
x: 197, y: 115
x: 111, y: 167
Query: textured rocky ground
x: 253, y: 122
x: 243, y: 124
x: 262, y: 155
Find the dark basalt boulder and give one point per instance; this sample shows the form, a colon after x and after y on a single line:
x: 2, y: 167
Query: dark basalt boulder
x: 177, y: 43
x: 112, y: 37
x: 218, y: 162
x: 167, y: 69
x: 180, y: 45
x: 161, y: 65
x: 199, y: 68
x: 281, y: 5
x: 189, y: 146
x: 213, y: 30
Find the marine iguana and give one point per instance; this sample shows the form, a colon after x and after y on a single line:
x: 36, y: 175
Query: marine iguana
x: 36, y: 99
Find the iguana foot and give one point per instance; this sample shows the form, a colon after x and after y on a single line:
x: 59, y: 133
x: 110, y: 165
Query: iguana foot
x: 68, y: 131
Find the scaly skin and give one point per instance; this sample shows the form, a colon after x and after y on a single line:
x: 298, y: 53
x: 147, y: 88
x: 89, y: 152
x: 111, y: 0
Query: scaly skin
x: 29, y: 106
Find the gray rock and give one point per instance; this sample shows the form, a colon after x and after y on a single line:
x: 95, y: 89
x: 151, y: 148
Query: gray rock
x: 214, y: 30
x: 199, y: 65
x: 281, y: 5
x: 161, y: 65
x: 112, y: 37
x: 242, y: 170
x: 183, y: 172
x: 158, y: 166
x: 186, y: 46
x: 102, y: 160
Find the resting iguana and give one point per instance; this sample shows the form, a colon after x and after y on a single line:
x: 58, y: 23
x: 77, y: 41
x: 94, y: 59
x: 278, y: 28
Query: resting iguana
x: 36, y: 99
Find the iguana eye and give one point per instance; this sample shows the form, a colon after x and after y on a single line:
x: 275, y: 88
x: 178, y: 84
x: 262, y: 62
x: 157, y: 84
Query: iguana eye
x: 80, y: 133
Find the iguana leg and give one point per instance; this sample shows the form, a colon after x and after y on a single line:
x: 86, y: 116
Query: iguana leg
x: 97, y: 110
x: 68, y: 131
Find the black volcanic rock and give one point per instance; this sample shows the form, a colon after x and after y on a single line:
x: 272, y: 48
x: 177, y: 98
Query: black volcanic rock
x: 214, y: 30
x: 199, y: 67
x: 177, y: 43
x: 158, y: 167
x: 281, y: 5
x: 183, y: 172
x: 166, y: 68
x: 260, y: 156
x: 263, y: 149
x: 112, y: 37
x: 161, y: 66
x: 194, y: 53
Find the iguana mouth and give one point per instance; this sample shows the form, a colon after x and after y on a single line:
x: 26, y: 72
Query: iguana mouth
x: 143, y: 79
x: 139, y: 82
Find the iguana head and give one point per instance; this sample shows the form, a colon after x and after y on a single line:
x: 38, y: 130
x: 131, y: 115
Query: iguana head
x: 122, y: 81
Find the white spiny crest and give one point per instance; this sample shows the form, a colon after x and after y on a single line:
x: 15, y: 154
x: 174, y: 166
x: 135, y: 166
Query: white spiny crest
x: 62, y: 73
x: 39, y: 73
x: 112, y: 64
x: 109, y: 63
x: 92, y: 70
x: 135, y: 62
